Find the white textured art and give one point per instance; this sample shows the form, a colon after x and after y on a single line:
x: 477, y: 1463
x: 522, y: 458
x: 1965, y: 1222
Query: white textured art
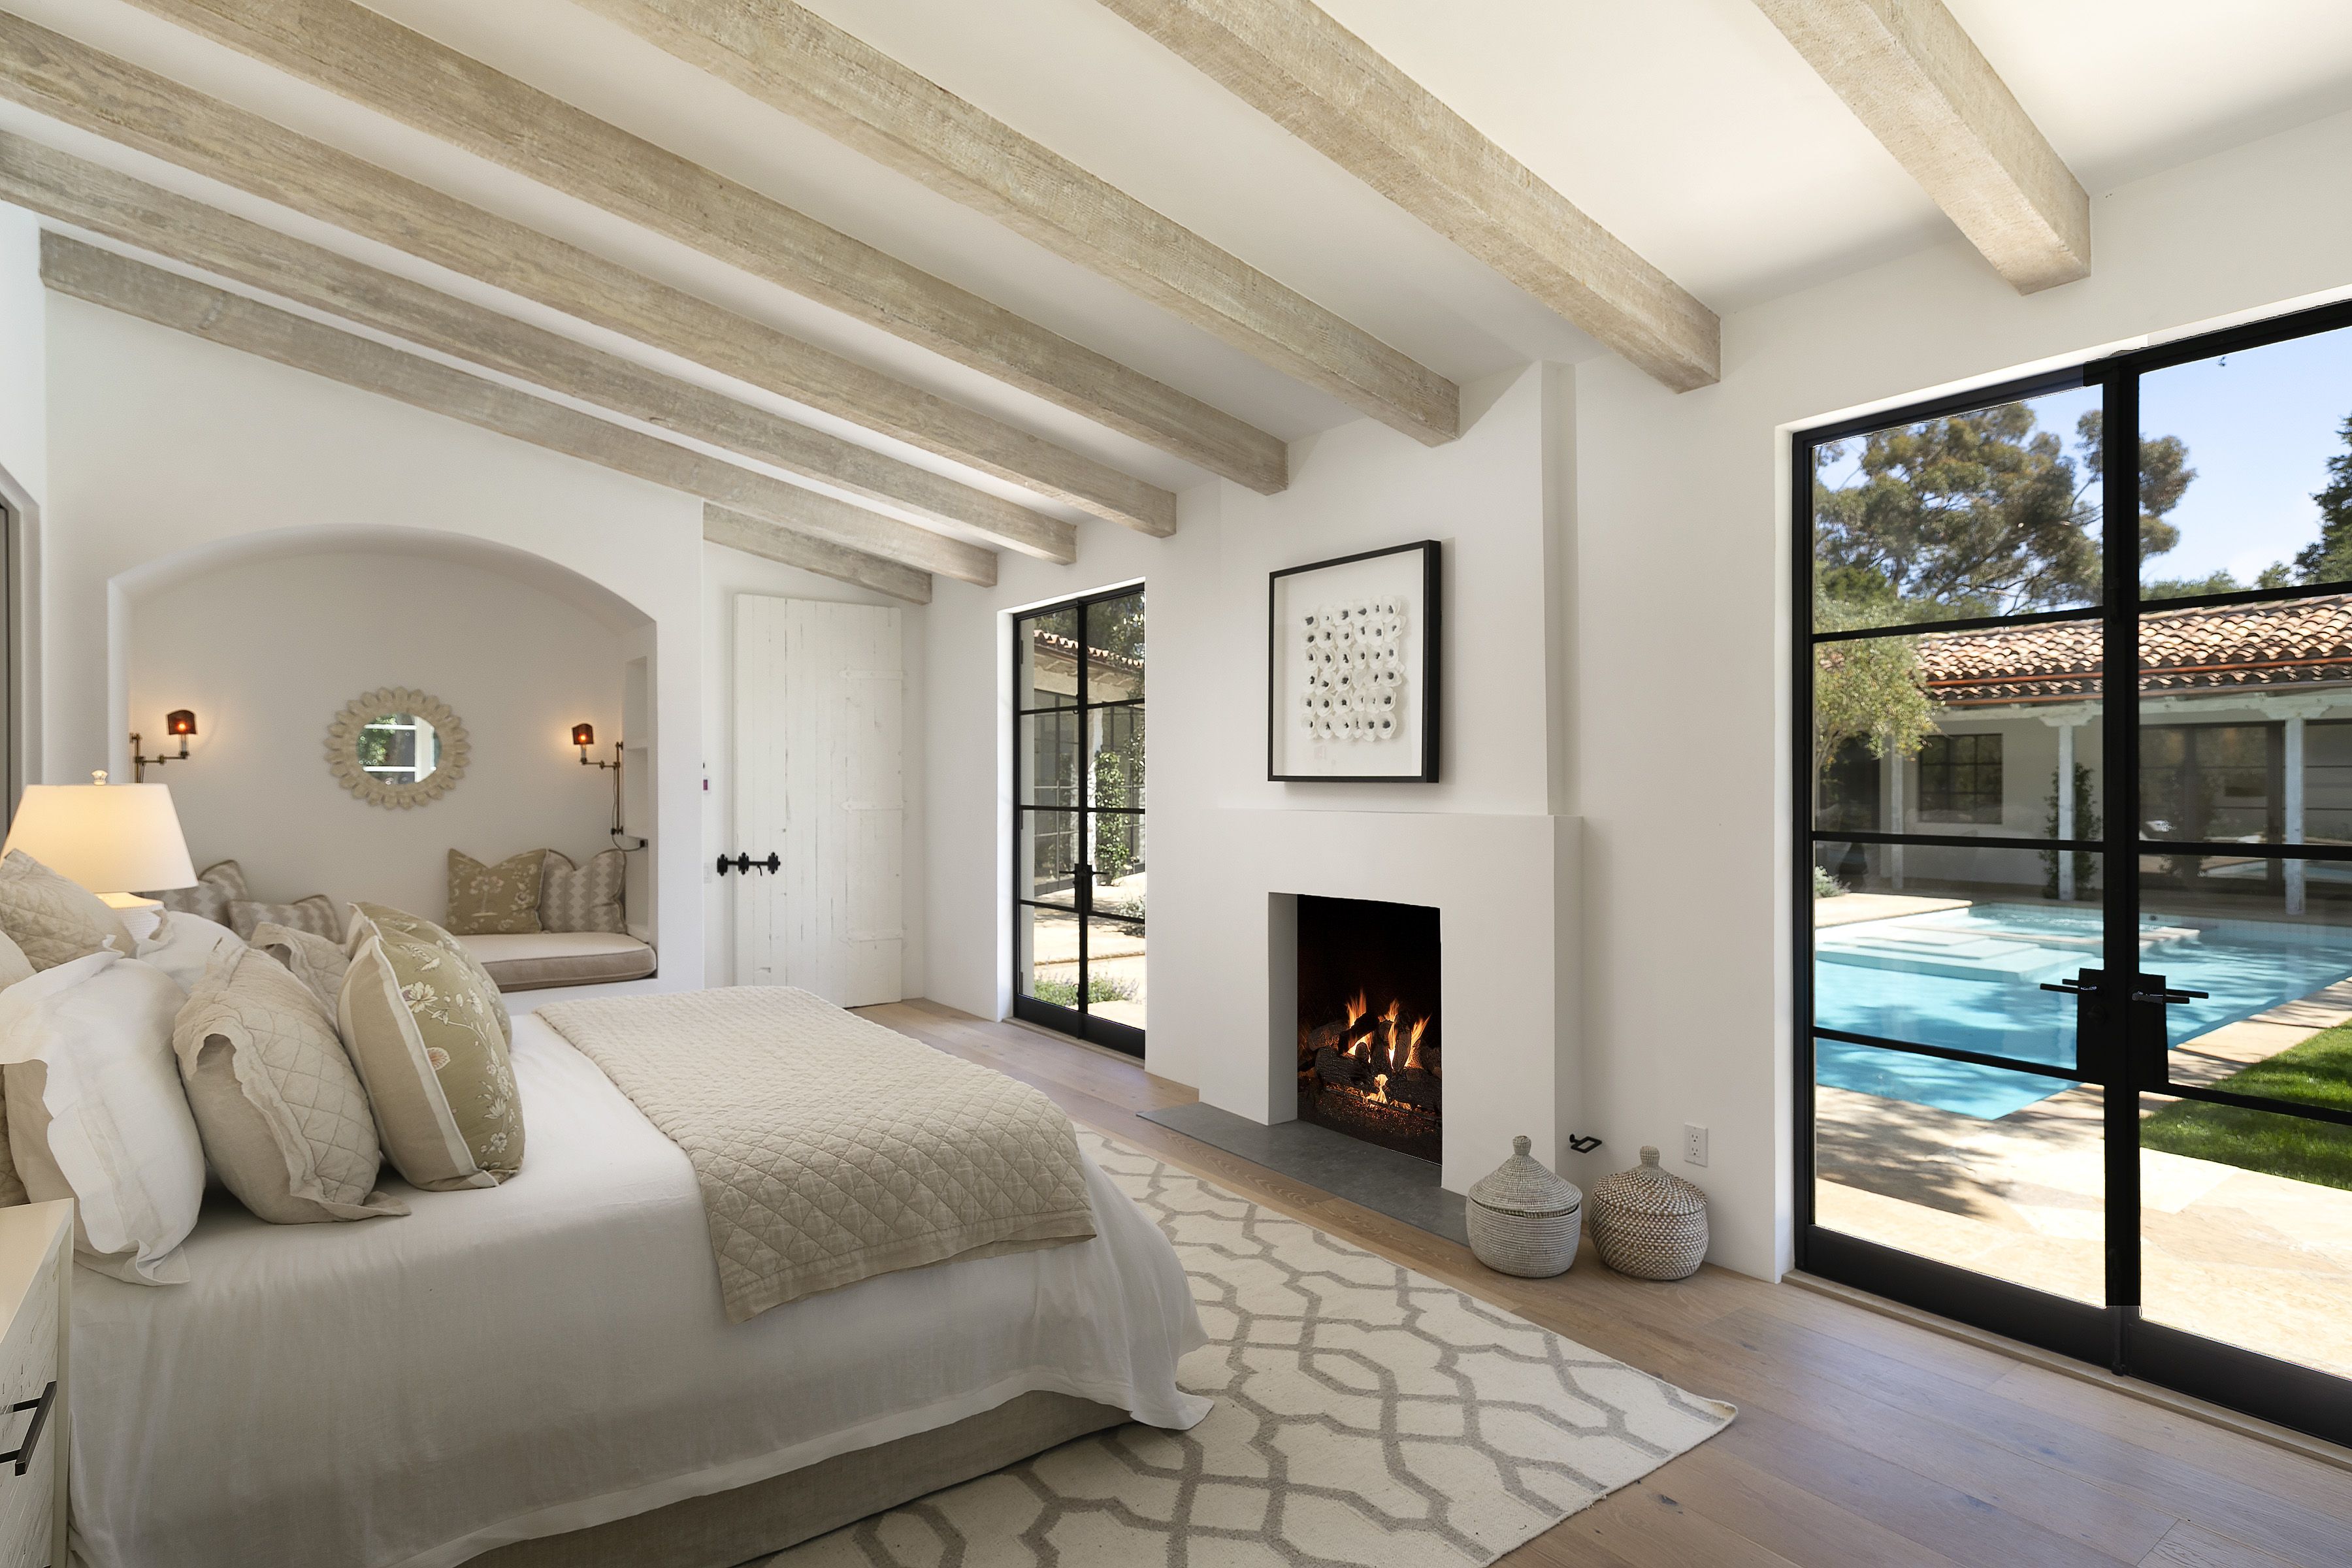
x: 1353, y: 681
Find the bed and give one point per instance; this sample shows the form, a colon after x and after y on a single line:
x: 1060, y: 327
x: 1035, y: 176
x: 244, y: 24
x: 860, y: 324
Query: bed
x: 542, y: 1371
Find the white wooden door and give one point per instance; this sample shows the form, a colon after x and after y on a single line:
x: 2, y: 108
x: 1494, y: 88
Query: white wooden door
x: 819, y: 781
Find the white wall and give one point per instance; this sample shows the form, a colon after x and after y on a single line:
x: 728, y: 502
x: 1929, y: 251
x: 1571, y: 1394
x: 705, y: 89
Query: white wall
x: 727, y: 573
x: 1681, y: 621
x: 163, y: 448
x: 267, y: 651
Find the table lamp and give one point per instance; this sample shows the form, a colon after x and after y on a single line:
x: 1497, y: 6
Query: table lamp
x: 109, y: 838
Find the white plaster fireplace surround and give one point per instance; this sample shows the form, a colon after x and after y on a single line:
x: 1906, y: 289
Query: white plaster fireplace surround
x: 1505, y: 887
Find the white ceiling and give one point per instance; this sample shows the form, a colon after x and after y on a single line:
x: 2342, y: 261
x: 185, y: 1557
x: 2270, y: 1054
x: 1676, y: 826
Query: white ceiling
x: 1688, y: 127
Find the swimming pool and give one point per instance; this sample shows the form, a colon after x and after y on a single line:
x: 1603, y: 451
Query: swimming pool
x: 1971, y: 979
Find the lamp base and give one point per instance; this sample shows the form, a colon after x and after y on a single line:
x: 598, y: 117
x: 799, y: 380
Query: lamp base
x: 128, y: 901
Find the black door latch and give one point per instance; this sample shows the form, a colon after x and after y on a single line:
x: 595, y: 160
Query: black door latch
x: 746, y: 865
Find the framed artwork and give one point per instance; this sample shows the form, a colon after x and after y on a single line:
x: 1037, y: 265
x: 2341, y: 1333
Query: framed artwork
x: 1352, y: 671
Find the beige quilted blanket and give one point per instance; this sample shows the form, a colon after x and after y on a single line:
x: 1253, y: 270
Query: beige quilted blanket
x: 830, y: 1149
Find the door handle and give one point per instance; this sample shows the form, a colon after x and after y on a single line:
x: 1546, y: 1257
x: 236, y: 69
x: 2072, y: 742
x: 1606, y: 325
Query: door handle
x: 2070, y: 987
x: 2163, y: 999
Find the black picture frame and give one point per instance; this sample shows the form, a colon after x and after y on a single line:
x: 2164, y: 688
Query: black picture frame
x: 1432, y: 627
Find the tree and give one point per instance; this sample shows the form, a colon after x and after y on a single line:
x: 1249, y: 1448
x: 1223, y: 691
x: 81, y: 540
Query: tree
x: 2329, y: 559
x: 1867, y: 690
x: 1981, y: 513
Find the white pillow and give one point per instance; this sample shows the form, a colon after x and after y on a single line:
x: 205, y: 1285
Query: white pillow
x: 96, y: 1112
x: 181, y: 945
x: 14, y: 965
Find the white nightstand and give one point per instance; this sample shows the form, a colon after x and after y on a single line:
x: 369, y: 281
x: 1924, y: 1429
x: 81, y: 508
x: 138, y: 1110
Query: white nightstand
x: 35, y: 1275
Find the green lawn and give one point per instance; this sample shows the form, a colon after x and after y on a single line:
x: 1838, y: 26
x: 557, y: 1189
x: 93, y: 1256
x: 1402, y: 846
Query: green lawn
x: 2317, y: 1072
x: 1099, y: 988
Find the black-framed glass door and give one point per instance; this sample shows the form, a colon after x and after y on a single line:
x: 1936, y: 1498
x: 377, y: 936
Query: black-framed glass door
x: 1080, y: 862
x: 2075, y: 973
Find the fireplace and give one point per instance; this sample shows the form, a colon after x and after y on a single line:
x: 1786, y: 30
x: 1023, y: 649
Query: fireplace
x: 1371, y: 1053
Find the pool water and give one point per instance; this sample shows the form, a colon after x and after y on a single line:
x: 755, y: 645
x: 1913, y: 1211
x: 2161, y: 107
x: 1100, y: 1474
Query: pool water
x: 1970, y: 979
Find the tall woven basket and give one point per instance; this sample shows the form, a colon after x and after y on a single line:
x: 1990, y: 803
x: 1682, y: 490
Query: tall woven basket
x: 1649, y: 1223
x: 1523, y: 1219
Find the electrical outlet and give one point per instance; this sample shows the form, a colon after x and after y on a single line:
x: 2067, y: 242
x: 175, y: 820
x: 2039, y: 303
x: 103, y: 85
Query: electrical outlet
x: 1694, y: 1144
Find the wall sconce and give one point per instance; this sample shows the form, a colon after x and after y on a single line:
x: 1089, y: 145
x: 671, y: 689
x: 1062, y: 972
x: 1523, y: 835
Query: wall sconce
x: 180, y: 721
x: 584, y: 736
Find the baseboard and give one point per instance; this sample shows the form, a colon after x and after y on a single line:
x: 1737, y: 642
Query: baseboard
x: 2213, y: 1414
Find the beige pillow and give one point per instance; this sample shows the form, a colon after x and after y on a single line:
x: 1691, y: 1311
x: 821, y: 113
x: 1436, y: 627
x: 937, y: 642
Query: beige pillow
x: 583, y: 898
x: 367, y: 917
x: 424, y: 1032
x: 52, y: 919
x: 311, y: 958
x: 500, y: 899
x: 283, y: 1118
x: 14, y: 965
x: 314, y: 913
x: 216, y: 884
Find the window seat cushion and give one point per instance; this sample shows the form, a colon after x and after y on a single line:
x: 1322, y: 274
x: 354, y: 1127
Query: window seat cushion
x: 536, y: 960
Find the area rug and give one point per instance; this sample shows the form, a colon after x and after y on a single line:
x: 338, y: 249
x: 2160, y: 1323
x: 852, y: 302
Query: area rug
x: 1365, y: 1415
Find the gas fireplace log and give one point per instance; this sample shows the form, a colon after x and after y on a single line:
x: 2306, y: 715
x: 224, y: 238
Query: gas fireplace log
x: 1340, y: 1071
x: 1413, y: 1088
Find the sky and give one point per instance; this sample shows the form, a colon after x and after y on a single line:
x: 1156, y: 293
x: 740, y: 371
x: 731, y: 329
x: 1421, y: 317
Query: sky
x: 2260, y: 427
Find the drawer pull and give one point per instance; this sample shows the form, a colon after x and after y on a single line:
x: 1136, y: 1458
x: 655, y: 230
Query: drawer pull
x: 40, y: 1409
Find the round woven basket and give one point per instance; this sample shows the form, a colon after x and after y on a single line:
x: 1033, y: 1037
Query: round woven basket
x: 1525, y: 1220
x: 1650, y: 1223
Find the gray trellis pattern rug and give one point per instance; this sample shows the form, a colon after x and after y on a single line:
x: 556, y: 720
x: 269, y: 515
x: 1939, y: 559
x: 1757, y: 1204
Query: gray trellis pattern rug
x: 1367, y: 1416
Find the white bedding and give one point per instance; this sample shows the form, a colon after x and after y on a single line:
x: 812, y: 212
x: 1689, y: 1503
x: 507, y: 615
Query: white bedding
x: 550, y: 1354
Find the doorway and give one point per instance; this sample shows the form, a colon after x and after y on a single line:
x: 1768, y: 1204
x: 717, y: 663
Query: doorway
x: 1081, y: 858
x: 2074, y: 982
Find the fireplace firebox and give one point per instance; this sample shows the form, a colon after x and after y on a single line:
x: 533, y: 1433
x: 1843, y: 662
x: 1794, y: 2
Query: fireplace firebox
x: 1371, y: 1049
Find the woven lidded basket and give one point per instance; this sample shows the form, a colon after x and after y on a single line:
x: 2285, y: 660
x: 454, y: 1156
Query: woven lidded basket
x: 1525, y: 1220
x: 1650, y: 1223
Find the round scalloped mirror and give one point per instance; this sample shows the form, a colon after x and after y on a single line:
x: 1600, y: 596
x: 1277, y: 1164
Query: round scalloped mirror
x: 396, y: 746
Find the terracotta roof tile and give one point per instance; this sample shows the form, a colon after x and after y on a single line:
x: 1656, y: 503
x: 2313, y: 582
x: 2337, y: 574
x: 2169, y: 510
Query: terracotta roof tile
x: 2290, y: 643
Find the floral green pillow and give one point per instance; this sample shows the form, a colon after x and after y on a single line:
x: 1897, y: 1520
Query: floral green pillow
x: 423, y: 1029
x: 495, y: 900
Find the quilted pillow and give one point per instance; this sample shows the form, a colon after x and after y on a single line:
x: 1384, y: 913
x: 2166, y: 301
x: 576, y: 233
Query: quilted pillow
x: 583, y: 898
x: 282, y: 1115
x: 315, y: 913
x: 216, y: 884
x: 318, y: 963
x: 424, y: 1032
x: 14, y: 965
x: 54, y: 920
x: 96, y: 1112
x: 500, y: 899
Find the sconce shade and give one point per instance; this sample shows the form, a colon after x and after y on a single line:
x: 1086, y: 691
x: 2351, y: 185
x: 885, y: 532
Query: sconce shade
x: 583, y: 734
x: 180, y: 721
x: 109, y: 838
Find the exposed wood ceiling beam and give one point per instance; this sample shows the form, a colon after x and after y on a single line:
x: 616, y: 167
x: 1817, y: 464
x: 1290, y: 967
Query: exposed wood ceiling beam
x: 168, y: 300
x: 1910, y: 72
x: 107, y: 201
x: 738, y: 531
x: 792, y: 58
x: 1294, y: 64
x: 111, y: 98
x: 350, y: 50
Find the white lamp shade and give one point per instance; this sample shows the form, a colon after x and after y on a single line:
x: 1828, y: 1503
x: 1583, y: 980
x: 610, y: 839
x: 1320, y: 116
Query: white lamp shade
x: 111, y: 838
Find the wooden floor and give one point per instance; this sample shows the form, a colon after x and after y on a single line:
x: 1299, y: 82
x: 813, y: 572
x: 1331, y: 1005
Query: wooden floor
x: 1861, y: 1438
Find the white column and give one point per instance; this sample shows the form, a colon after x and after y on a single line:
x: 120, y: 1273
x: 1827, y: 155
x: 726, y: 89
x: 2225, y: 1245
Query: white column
x: 2066, y: 808
x: 2293, y: 869
x: 1894, y: 813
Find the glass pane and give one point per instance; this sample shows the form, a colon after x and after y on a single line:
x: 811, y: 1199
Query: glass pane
x: 1949, y: 945
x: 1049, y: 757
x: 1989, y: 513
x: 1119, y: 870
x: 1115, y: 760
x: 1049, y: 954
x: 1966, y: 733
x: 2244, y: 736
x: 2019, y: 1195
x: 2246, y: 469
x: 2246, y: 1229
x: 1048, y: 856
x: 2271, y: 942
x: 1115, y: 649
x: 1115, y: 966
x: 1047, y: 674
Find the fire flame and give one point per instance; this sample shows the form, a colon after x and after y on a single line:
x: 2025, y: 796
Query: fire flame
x: 1412, y: 1043
x: 1381, y: 1087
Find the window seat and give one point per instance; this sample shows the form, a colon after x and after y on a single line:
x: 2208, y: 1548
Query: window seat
x: 538, y: 960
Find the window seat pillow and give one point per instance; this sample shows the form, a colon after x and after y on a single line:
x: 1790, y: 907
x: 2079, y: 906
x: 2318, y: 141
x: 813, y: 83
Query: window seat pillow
x: 549, y: 957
